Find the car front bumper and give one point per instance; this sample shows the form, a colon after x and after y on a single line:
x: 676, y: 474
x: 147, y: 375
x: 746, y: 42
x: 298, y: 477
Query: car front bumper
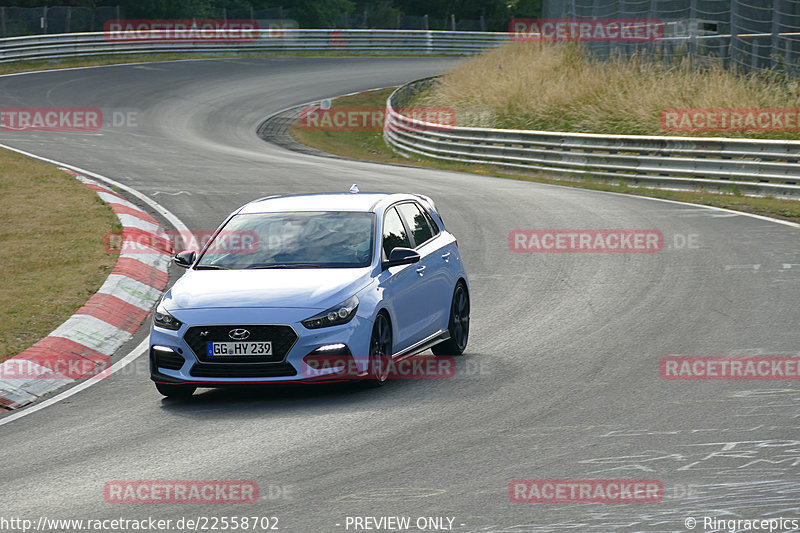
x: 174, y: 361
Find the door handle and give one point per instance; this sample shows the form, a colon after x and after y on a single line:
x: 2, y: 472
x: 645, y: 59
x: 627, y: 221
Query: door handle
x: 421, y: 270
x: 446, y: 257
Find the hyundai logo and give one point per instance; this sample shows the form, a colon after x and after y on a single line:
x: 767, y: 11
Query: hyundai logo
x: 238, y: 334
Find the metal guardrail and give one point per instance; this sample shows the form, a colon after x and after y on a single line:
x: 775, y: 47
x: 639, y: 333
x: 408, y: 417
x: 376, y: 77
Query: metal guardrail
x: 759, y: 167
x: 56, y: 46
x: 264, y: 40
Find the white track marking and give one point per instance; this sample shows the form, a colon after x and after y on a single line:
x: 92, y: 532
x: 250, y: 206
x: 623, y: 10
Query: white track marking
x: 111, y: 65
x: 721, y: 209
x: 125, y: 361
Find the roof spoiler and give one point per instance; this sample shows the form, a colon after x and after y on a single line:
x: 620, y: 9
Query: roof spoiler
x: 427, y: 200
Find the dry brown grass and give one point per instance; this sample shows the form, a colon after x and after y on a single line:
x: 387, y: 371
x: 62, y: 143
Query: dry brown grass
x: 555, y: 87
x: 51, y: 249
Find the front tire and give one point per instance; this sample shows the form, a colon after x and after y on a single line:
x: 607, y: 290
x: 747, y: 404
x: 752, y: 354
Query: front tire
x: 380, y: 352
x: 175, y: 391
x: 458, y: 326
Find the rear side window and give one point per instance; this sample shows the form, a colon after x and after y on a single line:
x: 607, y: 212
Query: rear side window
x: 415, y: 219
x: 434, y: 226
x: 394, y: 233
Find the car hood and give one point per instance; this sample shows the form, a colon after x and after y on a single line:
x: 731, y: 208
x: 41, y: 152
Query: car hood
x: 315, y: 288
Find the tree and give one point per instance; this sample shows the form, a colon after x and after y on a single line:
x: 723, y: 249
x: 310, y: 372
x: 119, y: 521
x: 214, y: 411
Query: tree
x: 164, y: 9
x: 319, y: 13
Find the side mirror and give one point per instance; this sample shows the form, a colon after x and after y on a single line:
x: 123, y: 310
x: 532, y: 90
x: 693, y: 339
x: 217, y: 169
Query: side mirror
x: 184, y: 259
x: 401, y: 256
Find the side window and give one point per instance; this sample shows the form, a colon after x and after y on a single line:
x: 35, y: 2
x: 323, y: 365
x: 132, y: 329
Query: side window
x: 432, y: 222
x: 394, y: 233
x: 415, y: 220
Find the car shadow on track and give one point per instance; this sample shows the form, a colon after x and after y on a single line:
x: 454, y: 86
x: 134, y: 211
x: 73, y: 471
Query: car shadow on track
x: 318, y: 398
x: 278, y: 399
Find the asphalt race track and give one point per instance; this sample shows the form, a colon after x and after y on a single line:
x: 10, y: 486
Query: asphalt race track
x: 560, y: 379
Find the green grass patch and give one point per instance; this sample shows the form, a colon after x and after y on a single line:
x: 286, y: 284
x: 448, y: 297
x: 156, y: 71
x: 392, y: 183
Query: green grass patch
x: 51, y: 249
x: 355, y: 144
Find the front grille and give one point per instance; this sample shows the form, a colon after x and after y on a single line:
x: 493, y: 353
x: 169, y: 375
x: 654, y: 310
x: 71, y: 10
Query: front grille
x: 282, y: 338
x: 169, y: 360
x: 242, y: 370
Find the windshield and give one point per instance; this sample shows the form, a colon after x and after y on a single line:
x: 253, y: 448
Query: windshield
x: 292, y: 240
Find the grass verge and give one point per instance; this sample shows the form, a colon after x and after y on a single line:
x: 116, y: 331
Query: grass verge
x: 51, y: 249
x: 369, y: 145
x: 355, y: 144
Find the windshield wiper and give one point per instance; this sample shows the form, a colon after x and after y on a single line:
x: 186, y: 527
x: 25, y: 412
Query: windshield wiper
x: 287, y: 265
x: 210, y: 267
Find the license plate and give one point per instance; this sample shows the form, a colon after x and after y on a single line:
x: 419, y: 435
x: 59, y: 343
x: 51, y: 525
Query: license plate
x: 238, y: 348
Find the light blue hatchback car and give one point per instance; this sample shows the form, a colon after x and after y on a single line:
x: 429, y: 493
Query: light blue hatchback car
x: 315, y: 287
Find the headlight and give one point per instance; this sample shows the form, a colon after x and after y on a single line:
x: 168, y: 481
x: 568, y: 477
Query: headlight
x: 336, y: 315
x: 163, y: 319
